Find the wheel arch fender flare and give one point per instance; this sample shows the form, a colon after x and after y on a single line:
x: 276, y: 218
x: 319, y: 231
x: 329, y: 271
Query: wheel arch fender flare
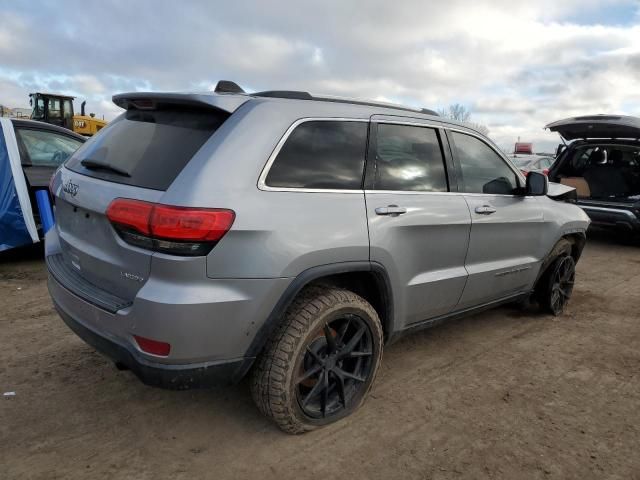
x: 305, y: 278
x: 577, y: 238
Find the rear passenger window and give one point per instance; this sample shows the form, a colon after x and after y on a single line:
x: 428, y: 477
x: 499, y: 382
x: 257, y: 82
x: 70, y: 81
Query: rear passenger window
x: 409, y: 158
x: 483, y: 170
x: 321, y: 154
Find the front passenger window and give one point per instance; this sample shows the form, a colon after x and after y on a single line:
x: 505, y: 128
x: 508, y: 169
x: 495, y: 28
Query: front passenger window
x: 482, y: 169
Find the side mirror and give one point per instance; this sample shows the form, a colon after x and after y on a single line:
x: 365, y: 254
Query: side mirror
x: 537, y: 184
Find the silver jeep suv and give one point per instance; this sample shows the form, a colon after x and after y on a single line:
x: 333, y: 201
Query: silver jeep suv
x: 204, y: 237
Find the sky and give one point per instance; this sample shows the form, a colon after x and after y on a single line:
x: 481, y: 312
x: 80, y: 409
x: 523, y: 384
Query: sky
x: 516, y: 65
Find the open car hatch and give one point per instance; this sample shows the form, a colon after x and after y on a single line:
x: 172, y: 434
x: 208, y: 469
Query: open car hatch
x: 597, y: 126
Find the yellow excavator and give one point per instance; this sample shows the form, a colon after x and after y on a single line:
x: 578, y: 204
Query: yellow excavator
x: 57, y: 109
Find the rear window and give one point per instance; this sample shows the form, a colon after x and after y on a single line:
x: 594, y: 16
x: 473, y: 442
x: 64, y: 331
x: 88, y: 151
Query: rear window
x: 146, y: 148
x: 321, y: 154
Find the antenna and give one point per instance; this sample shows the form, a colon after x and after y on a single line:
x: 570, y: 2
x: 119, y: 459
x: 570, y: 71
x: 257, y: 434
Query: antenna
x: 227, y: 86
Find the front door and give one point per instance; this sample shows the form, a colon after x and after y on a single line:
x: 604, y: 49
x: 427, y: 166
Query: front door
x: 506, y: 226
x: 54, y: 111
x: 417, y: 229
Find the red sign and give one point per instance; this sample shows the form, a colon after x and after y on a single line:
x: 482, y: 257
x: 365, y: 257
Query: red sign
x: 523, y: 148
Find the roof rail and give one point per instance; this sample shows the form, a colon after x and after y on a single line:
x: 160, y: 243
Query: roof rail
x: 226, y: 86
x: 290, y: 94
x: 375, y: 104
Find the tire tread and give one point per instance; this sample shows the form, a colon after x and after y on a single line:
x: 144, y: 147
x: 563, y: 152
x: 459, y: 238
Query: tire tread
x: 273, y: 368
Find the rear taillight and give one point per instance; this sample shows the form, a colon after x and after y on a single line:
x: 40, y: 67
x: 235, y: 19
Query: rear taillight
x: 169, y: 229
x: 131, y: 214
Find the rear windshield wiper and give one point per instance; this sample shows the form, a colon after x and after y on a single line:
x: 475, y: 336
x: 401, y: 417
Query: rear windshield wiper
x: 93, y: 165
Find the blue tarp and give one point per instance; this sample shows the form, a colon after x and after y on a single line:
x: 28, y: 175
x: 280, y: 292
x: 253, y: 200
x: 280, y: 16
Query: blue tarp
x: 17, y: 226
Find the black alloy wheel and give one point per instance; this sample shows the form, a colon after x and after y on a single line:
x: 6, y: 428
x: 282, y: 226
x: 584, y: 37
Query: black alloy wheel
x: 321, y: 361
x: 561, y: 284
x: 336, y: 366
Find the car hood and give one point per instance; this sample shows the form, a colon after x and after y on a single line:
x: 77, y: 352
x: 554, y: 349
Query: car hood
x: 597, y: 126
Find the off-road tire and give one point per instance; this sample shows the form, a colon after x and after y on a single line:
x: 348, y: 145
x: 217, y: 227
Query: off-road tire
x: 273, y: 385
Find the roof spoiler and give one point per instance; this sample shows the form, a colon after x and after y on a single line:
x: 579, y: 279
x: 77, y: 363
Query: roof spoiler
x: 154, y: 101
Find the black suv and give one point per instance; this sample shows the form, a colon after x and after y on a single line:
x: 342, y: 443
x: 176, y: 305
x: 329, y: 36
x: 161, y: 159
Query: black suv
x: 602, y: 163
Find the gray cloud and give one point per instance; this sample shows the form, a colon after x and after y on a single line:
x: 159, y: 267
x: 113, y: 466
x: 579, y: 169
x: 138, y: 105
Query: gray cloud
x: 518, y: 65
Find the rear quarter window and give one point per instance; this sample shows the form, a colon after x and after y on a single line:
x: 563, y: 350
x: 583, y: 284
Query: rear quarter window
x: 149, y: 148
x: 321, y: 154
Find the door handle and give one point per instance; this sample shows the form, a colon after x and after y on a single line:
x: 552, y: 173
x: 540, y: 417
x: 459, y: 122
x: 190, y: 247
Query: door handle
x: 485, y: 210
x: 392, y: 210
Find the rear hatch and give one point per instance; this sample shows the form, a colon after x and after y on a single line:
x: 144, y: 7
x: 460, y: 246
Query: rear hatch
x: 597, y: 126
x: 137, y: 156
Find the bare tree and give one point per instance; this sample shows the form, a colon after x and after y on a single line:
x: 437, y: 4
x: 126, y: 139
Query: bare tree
x: 460, y: 113
x: 483, y: 129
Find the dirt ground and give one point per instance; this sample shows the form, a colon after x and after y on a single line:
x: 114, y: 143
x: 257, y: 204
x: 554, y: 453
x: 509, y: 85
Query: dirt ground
x: 503, y: 394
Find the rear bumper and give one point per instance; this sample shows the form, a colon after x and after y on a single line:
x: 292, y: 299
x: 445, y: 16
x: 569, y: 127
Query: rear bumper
x: 621, y: 218
x: 210, y: 324
x: 173, y: 377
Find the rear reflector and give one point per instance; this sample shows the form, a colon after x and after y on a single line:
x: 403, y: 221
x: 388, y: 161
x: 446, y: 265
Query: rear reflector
x: 153, y: 347
x: 170, y: 229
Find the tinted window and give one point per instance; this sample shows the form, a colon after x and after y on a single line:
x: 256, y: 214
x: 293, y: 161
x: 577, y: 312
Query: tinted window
x: 46, y: 148
x: 409, y: 158
x: 150, y: 147
x: 321, y: 154
x: 482, y: 169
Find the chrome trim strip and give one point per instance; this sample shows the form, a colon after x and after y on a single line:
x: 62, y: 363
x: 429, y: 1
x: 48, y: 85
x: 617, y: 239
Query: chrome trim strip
x: 265, y: 170
x: 409, y: 192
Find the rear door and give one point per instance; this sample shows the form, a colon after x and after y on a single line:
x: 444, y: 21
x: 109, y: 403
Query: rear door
x: 418, y: 229
x: 506, y: 227
x: 54, y: 112
x: 137, y: 156
x: 597, y: 126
